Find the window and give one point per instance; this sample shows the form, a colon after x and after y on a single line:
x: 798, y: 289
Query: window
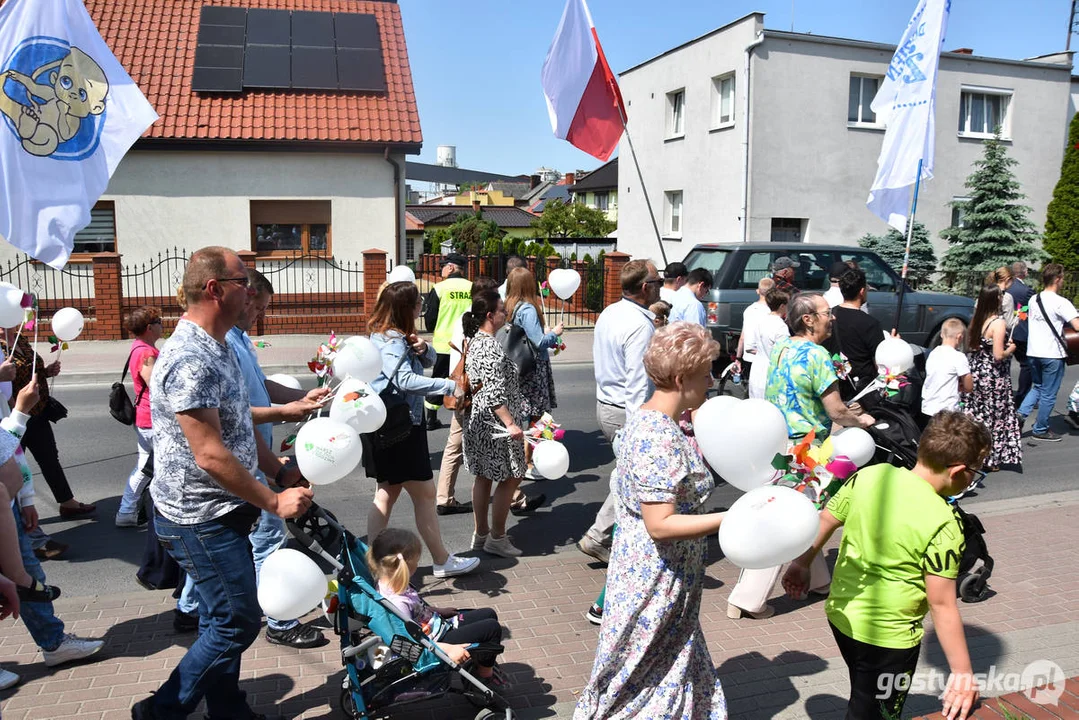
x: 878, y: 277
x: 983, y: 110
x: 958, y: 211
x: 676, y: 110
x: 673, y: 213
x: 787, y: 229
x: 863, y: 89
x: 723, y: 100
x: 602, y: 200
x: 410, y: 249
x: 290, y: 227
x: 100, y: 234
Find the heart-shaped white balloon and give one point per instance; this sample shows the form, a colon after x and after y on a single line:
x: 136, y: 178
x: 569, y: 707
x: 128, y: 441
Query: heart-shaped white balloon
x: 357, y: 357
x: 358, y: 406
x: 401, y: 273
x: 767, y: 527
x: 290, y: 584
x: 327, y: 450
x: 564, y: 282
x: 11, y: 310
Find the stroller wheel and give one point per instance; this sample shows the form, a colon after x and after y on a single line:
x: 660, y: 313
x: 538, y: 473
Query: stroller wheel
x: 974, y: 587
x: 491, y: 715
x: 348, y: 706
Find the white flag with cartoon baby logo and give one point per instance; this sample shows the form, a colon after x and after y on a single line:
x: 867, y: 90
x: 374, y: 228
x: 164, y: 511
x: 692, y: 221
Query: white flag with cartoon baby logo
x: 69, y: 112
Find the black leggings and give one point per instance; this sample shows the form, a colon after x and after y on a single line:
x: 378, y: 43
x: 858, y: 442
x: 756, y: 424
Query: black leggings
x: 876, y: 690
x: 41, y: 443
x: 477, y: 626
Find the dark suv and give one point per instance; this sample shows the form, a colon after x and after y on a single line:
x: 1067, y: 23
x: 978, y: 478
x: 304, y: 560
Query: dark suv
x: 736, y: 269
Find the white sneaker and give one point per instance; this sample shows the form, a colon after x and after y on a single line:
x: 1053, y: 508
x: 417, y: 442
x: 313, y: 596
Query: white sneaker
x: 478, y: 541
x: 72, y: 648
x: 533, y: 474
x: 501, y: 546
x: 456, y: 566
x: 128, y: 520
x: 8, y: 679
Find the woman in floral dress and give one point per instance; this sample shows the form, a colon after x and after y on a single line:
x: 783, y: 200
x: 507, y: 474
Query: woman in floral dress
x: 991, y: 349
x: 652, y: 660
x: 493, y: 438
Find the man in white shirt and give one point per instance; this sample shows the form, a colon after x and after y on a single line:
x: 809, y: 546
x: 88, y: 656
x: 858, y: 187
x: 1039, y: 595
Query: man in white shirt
x: 1048, y: 313
x: 751, y: 317
x: 834, y: 295
x: 687, y: 305
x: 674, y: 277
x: 623, y: 332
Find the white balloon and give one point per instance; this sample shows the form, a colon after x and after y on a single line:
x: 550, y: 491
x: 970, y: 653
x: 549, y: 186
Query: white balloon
x: 357, y: 357
x: 67, y: 324
x: 290, y: 585
x: 327, y: 450
x: 894, y: 354
x: 767, y: 527
x: 564, y: 282
x: 551, y: 459
x: 856, y: 444
x: 401, y: 273
x: 740, y: 439
x: 11, y: 309
x: 285, y: 380
x: 356, y: 404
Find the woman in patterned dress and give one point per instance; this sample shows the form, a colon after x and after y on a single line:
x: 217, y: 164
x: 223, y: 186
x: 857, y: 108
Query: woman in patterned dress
x: 497, y: 410
x: 991, y: 350
x: 652, y: 660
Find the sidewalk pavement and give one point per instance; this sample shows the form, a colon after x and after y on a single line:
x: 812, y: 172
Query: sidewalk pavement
x: 787, y: 666
x: 101, y: 361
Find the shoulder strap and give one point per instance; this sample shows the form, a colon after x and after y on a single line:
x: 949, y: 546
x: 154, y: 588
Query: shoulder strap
x: 1049, y: 322
x: 123, y: 375
x: 404, y: 356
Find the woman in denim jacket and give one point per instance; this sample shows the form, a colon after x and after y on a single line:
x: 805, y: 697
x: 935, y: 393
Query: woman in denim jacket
x: 407, y: 464
x: 523, y: 306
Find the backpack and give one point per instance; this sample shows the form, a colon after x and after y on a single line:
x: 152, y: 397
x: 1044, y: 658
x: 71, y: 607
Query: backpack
x: 120, y: 406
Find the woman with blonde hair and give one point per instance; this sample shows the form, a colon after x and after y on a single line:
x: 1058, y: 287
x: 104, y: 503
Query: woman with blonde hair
x: 652, y: 659
x: 523, y: 309
x: 1003, y: 278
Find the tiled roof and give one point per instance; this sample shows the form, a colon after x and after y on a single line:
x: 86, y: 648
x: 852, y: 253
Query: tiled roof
x: 506, y: 217
x: 155, y: 40
x: 605, y: 177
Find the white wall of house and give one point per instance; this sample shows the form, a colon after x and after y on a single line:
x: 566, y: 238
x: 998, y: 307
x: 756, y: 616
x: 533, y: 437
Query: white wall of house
x: 807, y: 162
x: 189, y: 199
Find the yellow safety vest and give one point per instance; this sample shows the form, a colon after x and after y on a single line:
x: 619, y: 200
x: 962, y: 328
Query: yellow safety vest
x: 454, y: 300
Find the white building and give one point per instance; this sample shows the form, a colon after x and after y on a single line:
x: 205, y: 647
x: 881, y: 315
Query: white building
x: 747, y: 134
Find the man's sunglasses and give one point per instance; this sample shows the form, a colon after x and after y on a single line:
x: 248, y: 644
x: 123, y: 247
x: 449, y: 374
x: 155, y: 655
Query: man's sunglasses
x: 241, y: 281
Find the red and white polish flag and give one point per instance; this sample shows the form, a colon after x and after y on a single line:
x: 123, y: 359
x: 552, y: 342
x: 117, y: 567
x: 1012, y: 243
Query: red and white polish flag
x: 582, y: 94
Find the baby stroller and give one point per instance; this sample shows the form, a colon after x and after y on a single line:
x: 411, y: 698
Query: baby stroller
x: 896, y: 436
x: 389, y: 661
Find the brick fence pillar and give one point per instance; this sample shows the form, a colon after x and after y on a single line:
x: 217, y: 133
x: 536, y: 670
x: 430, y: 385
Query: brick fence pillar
x: 612, y: 277
x: 374, y: 275
x: 578, y: 299
x: 108, y: 298
x: 248, y: 256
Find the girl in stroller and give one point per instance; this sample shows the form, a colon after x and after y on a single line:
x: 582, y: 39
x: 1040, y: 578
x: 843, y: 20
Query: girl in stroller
x: 393, y: 558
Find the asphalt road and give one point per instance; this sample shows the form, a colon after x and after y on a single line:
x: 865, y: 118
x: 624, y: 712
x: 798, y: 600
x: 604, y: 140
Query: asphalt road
x: 99, y: 453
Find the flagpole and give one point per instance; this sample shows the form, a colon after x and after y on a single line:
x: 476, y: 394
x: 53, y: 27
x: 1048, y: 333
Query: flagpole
x: 906, y: 252
x: 644, y: 190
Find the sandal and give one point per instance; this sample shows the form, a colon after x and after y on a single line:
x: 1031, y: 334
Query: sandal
x: 38, y: 592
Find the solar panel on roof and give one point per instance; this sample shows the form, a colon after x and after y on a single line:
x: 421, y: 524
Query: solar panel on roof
x: 312, y: 29
x: 267, y: 66
x: 218, y: 15
x: 221, y: 35
x: 360, y: 70
x: 219, y: 56
x: 314, y: 68
x: 358, y: 31
x: 268, y: 27
x: 217, y: 80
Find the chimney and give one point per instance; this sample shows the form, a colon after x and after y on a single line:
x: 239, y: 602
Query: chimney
x: 570, y: 178
x: 963, y: 51
x: 533, y: 182
x: 475, y: 202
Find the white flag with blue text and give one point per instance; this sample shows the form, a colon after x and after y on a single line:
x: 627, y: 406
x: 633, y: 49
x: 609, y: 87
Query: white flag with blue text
x: 905, y: 101
x: 68, y: 114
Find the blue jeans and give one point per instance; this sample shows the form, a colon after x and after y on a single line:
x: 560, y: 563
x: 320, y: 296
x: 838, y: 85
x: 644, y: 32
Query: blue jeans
x: 1046, y: 374
x: 45, y: 628
x: 218, y: 559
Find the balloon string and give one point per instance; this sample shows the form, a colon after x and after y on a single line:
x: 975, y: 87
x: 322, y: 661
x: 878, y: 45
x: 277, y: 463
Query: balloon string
x: 59, y: 354
x: 11, y: 350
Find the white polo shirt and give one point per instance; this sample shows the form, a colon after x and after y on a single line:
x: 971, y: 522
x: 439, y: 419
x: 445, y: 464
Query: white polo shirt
x: 1042, y: 336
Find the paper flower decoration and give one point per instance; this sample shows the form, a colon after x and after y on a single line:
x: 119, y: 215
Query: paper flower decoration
x: 1022, y: 312
x: 812, y: 470
x: 546, y: 429
x: 893, y: 382
x: 842, y: 366
x: 322, y: 364
x: 559, y: 347
x: 288, y: 442
x: 262, y: 344
x: 545, y: 289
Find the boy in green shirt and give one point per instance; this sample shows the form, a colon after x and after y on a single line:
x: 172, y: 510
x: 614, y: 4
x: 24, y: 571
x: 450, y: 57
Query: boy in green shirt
x: 899, y: 558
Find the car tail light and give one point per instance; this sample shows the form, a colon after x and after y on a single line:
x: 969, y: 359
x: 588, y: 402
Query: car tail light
x: 713, y: 313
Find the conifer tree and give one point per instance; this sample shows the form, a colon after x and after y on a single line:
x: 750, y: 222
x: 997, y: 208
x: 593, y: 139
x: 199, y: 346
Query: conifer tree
x: 1062, y: 217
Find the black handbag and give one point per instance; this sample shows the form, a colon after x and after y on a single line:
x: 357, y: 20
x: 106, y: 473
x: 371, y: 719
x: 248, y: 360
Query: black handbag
x: 398, y: 425
x: 518, y: 348
x: 120, y: 406
x: 54, y: 410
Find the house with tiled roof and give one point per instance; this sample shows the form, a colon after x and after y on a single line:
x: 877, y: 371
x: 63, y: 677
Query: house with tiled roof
x: 599, y: 189
x: 284, y: 127
x: 422, y: 219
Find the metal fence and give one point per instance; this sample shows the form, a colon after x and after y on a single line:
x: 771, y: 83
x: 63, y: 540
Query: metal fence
x: 969, y: 284
x: 155, y: 283
x: 54, y: 289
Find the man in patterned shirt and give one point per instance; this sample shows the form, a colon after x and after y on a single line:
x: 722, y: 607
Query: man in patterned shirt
x: 206, y: 497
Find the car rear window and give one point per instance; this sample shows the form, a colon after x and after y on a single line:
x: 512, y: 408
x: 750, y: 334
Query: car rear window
x: 710, y: 260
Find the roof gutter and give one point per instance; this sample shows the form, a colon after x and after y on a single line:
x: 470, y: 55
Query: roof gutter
x: 745, y: 137
x: 398, y: 217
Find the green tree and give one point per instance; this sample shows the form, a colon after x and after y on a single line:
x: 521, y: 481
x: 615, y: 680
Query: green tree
x: 996, y: 228
x: 1062, y: 217
x: 470, y: 233
x: 890, y: 247
x: 576, y: 220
